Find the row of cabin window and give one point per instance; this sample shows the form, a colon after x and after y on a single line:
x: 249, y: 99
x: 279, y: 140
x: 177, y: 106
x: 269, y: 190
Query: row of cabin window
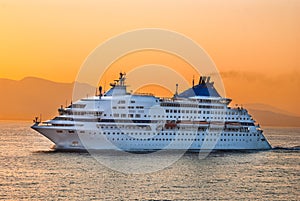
x: 186, y: 111
x: 131, y: 101
x: 77, y: 106
x: 64, y: 118
x: 72, y: 132
x: 129, y: 107
x: 177, y: 139
x: 178, y: 105
x: 209, y: 118
x: 82, y: 113
x: 200, y: 111
x: 168, y: 104
x: 144, y: 127
x: 127, y: 115
x: 158, y: 116
x: 183, y: 127
x: 237, y: 129
x: 192, y: 134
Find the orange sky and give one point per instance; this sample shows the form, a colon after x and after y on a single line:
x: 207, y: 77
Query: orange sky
x: 51, y: 39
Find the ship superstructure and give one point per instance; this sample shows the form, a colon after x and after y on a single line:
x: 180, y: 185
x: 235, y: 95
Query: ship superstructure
x: 196, y: 119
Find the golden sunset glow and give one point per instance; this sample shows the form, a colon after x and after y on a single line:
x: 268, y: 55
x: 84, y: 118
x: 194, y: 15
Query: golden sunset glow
x: 254, y: 44
x: 159, y: 59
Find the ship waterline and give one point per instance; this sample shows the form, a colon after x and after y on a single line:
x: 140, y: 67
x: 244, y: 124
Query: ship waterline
x: 196, y: 119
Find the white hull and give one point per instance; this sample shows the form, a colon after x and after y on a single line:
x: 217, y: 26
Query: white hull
x: 186, y: 140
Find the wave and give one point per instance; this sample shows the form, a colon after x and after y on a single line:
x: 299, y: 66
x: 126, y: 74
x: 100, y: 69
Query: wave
x: 295, y: 148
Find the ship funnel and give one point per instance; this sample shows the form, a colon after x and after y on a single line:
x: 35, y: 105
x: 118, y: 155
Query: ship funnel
x: 208, y: 79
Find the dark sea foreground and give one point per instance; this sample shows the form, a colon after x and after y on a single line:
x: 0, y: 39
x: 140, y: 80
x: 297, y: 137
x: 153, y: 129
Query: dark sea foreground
x: 29, y: 170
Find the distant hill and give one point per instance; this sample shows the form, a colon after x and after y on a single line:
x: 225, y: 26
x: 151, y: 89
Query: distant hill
x: 268, y: 115
x: 268, y: 118
x: 264, y: 107
x: 30, y: 97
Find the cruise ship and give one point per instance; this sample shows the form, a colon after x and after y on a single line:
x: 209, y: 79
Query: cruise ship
x: 196, y: 119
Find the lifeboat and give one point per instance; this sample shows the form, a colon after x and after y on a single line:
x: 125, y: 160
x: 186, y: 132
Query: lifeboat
x: 233, y: 124
x: 170, y: 124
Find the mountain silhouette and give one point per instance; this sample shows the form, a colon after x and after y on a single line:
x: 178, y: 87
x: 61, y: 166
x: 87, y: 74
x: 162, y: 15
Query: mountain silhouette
x: 31, y: 96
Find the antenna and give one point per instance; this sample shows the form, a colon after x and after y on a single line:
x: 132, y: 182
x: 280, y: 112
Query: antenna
x: 193, y: 81
x: 176, y: 92
x: 100, y: 91
x: 200, y: 81
x: 36, y: 120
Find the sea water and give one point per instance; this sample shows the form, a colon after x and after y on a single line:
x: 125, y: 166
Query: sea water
x: 30, y: 170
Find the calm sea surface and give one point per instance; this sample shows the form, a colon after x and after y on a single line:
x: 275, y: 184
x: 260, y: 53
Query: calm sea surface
x: 29, y: 170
